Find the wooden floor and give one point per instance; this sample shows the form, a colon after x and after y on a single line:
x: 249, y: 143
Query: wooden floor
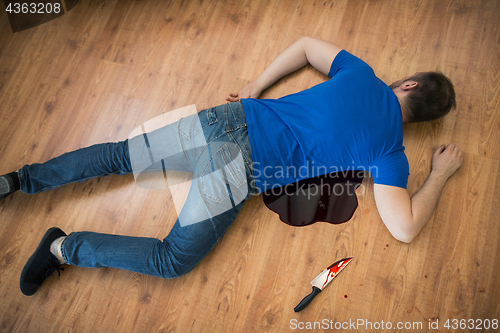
x: 105, y: 67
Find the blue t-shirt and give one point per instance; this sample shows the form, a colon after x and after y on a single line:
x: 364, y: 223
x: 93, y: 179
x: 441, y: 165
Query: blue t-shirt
x: 353, y: 121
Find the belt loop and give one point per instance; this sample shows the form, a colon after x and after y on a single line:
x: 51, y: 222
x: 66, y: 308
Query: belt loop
x: 212, y: 116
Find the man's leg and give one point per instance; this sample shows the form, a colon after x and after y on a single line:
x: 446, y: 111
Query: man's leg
x: 176, y: 255
x: 202, y: 222
x: 183, y: 248
x: 172, y: 147
x: 76, y: 166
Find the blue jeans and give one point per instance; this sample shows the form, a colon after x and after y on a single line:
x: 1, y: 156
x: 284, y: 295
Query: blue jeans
x: 186, y: 244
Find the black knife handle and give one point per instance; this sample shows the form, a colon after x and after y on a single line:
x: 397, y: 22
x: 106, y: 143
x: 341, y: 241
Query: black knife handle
x: 307, y: 299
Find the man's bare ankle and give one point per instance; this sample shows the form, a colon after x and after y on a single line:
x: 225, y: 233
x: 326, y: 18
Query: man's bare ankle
x: 55, y: 249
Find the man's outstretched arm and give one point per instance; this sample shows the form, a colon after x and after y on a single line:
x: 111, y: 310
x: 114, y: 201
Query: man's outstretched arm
x: 318, y: 53
x: 405, y: 217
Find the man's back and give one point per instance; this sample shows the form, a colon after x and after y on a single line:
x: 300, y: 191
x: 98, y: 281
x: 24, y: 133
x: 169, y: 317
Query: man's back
x: 351, y: 122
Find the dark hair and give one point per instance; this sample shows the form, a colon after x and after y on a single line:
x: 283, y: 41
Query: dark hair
x: 431, y: 99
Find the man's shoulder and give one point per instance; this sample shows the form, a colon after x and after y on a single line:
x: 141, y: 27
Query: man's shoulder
x: 347, y: 61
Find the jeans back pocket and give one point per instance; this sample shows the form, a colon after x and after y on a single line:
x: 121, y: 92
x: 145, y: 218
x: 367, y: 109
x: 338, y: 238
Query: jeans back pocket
x: 223, y: 176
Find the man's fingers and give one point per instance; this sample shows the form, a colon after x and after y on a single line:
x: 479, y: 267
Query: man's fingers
x: 451, y: 146
x: 440, y: 149
x: 455, y: 150
x: 233, y: 97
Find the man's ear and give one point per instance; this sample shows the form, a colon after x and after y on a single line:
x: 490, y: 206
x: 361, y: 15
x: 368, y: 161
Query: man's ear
x: 409, y: 85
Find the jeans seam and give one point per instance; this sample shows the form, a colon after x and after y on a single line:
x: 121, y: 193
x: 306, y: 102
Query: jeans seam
x: 79, y: 181
x: 230, y: 168
x: 228, y: 109
x: 183, y: 144
x: 244, y: 153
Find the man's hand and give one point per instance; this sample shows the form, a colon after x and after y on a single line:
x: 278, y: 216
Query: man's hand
x: 251, y: 90
x: 446, y: 160
x: 405, y: 217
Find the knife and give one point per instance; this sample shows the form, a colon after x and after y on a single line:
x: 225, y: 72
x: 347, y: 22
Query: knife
x: 320, y: 281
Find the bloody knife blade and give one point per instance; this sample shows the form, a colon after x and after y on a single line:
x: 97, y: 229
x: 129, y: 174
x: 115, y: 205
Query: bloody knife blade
x: 320, y: 281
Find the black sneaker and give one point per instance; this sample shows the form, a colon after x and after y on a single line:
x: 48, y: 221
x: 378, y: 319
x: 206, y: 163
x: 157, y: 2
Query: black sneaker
x: 41, y: 264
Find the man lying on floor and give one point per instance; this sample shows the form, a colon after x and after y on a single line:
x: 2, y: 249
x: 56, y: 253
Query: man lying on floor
x: 351, y: 119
